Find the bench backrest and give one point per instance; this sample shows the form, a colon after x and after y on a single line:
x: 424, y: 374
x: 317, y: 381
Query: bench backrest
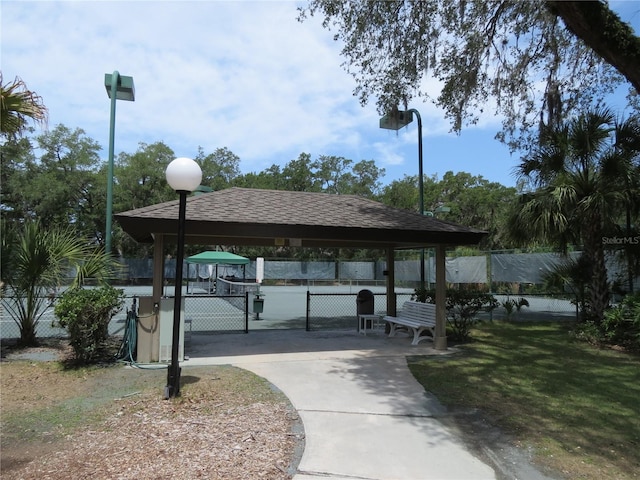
x: 418, y: 311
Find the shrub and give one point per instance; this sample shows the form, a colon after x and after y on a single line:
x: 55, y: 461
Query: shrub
x: 34, y: 261
x: 620, y: 325
x: 589, y: 331
x: 86, y: 314
x: 462, y: 308
x: 510, y: 304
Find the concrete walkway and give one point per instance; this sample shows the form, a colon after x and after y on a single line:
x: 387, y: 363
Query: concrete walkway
x: 364, y: 415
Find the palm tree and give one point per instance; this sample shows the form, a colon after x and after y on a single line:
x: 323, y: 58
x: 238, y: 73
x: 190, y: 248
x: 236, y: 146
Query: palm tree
x: 35, y: 261
x: 579, y: 173
x: 627, y: 144
x: 17, y: 105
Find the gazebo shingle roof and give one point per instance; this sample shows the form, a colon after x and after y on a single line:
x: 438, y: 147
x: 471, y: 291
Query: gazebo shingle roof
x: 244, y: 216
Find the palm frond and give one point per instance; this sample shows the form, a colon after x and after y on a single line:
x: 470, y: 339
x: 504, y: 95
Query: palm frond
x: 18, y: 105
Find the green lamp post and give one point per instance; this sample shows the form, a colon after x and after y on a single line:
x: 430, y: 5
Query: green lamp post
x: 118, y: 87
x: 395, y: 121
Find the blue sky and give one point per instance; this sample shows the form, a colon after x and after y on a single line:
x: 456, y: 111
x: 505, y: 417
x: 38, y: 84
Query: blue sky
x: 245, y: 75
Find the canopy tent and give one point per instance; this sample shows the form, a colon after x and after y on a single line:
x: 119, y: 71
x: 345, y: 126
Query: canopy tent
x: 217, y: 258
x: 210, y: 259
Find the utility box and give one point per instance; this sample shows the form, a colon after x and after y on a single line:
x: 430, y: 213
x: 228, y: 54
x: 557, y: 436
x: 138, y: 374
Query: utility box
x: 148, y: 331
x: 166, y: 330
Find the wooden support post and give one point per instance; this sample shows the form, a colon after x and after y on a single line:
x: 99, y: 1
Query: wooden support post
x: 158, y: 267
x: 440, y: 338
x: 391, y: 280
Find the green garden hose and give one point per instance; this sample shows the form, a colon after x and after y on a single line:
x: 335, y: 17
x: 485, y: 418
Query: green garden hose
x: 127, y: 350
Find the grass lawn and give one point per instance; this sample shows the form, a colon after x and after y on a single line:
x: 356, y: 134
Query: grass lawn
x: 576, y: 406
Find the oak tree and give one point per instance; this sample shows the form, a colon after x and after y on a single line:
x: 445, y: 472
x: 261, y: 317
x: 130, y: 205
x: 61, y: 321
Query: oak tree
x: 532, y: 62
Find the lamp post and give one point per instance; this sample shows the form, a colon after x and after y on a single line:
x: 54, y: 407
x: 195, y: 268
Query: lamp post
x: 184, y: 176
x: 118, y: 88
x: 395, y: 121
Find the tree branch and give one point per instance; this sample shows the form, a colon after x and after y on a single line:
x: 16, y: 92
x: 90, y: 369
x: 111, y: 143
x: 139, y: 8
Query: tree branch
x: 604, y: 32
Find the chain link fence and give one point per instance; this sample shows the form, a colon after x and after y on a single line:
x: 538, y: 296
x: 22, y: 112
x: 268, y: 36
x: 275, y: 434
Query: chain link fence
x: 46, y: 327
x: 292, y: 307
x: 334, y: 310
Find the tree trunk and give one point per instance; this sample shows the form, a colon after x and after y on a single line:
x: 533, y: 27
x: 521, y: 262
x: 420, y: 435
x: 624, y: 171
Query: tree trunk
x: 599, y: 287
x: 603, y: 31
x: 28, y: 336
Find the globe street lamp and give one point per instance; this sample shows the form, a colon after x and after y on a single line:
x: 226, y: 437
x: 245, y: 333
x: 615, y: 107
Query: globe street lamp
x: 395, y: 121
x: 184, y: 176
x: 118, y: 88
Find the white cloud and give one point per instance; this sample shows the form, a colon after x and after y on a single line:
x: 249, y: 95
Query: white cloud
x: 387, y: 154
x: 244, y: 75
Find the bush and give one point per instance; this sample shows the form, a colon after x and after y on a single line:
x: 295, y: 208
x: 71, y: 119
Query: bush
x: 510, y: 304
x: 462, y: 307
x: 620, y: 326
x: 589, y: 332
x: 86, y: 314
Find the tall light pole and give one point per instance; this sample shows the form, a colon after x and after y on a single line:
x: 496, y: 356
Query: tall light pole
x: 183, y: 175
x: 395, y: 121
x: 118, y: 88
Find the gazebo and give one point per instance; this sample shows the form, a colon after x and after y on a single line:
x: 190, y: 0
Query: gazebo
x: 244, y: 216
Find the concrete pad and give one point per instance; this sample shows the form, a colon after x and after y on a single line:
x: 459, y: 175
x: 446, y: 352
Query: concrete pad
x: 275, y: 345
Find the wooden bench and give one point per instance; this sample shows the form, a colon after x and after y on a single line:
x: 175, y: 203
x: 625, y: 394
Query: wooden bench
x: 416, y: 317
